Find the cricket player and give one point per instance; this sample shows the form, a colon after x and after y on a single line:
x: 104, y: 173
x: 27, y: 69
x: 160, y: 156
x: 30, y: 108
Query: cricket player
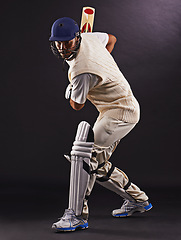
x: 94, y: 76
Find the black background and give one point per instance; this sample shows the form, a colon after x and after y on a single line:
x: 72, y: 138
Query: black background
x: 38, y: 125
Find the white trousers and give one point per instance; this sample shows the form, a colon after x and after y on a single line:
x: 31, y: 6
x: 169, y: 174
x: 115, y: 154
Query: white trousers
x: 107, y: 134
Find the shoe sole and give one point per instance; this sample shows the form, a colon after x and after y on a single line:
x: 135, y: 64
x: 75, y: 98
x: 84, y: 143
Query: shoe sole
x: 141, y: 210
x: 71, y: 229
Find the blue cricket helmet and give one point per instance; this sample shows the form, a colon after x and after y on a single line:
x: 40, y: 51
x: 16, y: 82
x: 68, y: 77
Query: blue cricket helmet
x: 64, y: 29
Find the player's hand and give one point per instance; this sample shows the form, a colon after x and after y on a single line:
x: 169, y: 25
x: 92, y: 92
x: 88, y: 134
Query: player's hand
x: 68, y: 91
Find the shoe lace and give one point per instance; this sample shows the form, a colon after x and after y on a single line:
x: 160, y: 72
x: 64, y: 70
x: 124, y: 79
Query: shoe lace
x: 128, y: 204
x: 126, y: 201
x: 68, y: 214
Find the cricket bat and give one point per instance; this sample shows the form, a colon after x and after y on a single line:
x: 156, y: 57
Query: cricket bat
x: 87, y: 19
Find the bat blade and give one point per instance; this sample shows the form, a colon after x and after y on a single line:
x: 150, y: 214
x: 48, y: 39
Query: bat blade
x: 87, y: 19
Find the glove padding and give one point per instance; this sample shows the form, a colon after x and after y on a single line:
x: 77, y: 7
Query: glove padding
x: 68, y: 91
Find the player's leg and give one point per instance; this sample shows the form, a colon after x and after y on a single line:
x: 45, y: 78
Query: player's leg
x: 108, y: 132
x: 79, y: 178
x: 117, y: 181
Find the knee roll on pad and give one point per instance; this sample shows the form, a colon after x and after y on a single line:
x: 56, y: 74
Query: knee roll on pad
x: 80, y: 162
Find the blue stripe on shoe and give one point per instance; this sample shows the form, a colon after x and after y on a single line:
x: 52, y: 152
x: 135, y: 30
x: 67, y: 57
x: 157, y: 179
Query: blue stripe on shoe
x: 66, y: 229
x: 122, y: 214
x: 85, y: 225
x: 148, y: 207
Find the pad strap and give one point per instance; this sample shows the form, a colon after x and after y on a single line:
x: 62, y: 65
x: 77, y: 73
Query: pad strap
x: 86, y: 167
x: 127, y: 185
x: 99, y: 166
x: 106, y: 178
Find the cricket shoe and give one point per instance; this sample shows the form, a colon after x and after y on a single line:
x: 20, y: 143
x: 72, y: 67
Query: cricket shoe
x: 69, y: 222
x: 129, y: 207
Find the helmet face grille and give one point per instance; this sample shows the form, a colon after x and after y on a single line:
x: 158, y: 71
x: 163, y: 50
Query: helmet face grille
x: 74, y: 52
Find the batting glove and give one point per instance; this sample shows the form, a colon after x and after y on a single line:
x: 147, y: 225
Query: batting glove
x: 68, y: 91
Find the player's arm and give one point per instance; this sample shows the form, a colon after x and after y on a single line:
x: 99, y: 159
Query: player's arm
x: 111, y: 42
x: 80, y: 87
x: 76, y: 106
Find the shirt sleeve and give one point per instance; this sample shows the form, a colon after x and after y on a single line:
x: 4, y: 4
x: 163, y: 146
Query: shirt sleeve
x: 103, y: 37
x: 81, y: 85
